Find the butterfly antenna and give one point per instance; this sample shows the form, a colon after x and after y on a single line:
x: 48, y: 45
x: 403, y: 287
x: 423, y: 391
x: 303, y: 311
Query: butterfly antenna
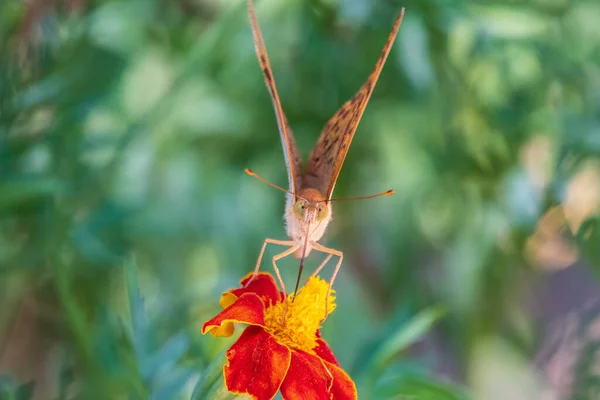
x: 386, y: 193
x: 301, y: 263
x: 263, y: 180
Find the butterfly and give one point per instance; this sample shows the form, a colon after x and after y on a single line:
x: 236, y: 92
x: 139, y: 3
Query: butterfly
x: 308, y: 207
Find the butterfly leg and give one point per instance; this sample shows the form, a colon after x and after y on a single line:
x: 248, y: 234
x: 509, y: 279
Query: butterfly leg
x: 288, y: 243
x: 331, y: 252
x: 279, y: 256
x: 320, y: 267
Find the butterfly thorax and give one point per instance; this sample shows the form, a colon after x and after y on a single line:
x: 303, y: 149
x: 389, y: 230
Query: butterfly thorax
x: 307, y: 215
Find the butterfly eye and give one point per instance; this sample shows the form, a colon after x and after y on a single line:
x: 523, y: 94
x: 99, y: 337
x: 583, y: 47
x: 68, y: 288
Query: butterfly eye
x: 322, y: 213
x: 299, y: 209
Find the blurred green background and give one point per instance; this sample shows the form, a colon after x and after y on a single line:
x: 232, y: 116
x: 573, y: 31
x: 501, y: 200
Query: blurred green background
x: 125, y: 128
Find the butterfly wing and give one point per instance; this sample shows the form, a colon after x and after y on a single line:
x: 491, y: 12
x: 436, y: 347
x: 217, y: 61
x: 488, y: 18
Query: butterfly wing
x: 293, y: 160
x: 328, y: 156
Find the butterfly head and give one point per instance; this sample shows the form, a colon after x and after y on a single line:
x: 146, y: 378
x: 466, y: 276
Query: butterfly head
x: 308, y: 215
x: 311, y: 207
x: 311, y: 211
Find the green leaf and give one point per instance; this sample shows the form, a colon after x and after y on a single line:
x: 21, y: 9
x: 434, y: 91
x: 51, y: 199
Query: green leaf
x: 408, y: 334
x: 212, y: 377
x: 17, y: 191
x: 25, y: 391
x: 173, y: 386
x: 166, y: 357
x: 588, y: 240
x: 139, y: 324
x: 9, y: 390
x: 420, y: 388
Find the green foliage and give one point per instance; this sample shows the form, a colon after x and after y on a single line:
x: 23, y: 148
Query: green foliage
x: 125, y: 128
x: 9, y: 390
x: 588, y: 237
x: 413, y: 330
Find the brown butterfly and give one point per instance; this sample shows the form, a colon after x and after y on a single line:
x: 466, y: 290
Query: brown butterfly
x: 308, y: 206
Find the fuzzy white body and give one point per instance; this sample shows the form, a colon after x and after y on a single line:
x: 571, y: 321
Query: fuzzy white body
x: 299, y: 228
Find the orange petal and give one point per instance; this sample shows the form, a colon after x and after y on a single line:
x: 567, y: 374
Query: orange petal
x: 248, y: 309
x: 307, y: 378
x: 324, y: 352
x: 343, y: 387
x: 256, y: 365
x: 262, y: 284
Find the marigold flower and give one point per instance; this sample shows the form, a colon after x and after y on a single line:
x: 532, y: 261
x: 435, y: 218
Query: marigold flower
x: 276, y: 353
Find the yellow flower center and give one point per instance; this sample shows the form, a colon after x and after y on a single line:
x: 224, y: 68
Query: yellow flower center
x: 294, y: 322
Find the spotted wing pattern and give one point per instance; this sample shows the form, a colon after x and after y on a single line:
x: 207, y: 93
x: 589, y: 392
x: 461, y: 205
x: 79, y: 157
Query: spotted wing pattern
x: 293, y: 160
x: 328, y: 155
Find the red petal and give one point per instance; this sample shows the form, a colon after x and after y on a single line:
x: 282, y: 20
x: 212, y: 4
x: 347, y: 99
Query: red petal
x: 343, y: 387
x: 307, y: 378
x: 324, y: 352
x: 262, y: 284
x: 248, y: 309
x: 257, y: 364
